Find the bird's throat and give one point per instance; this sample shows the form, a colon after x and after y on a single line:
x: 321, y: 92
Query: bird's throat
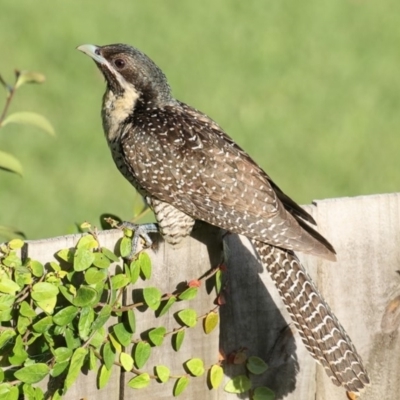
x: 117, y: 108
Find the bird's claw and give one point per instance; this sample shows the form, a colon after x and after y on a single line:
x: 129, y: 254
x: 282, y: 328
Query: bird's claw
x: 139, y: 231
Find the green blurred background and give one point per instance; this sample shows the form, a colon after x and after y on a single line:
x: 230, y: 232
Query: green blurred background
x: 310, y: 89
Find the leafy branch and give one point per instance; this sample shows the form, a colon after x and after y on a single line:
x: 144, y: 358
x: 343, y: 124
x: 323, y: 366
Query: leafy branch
x: 9, y: 162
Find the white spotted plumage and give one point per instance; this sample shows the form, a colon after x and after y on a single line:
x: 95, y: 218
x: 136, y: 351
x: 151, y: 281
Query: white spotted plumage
x: 189, y: 169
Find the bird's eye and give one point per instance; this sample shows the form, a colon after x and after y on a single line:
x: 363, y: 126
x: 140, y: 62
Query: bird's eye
x: 119, y: 63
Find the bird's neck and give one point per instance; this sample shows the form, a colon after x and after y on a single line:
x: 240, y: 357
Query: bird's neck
x: 117, y: 108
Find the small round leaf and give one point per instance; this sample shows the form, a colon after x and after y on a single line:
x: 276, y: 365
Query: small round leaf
x: 239, y: 384
x: 195, y: 366
x: 210, y: 322
x: 140, y: 381
x: 162, y: 373
x: 180, y: 385
x: 188, y: 317
x: 152, y: 297
x: 33, y: 373
x: 141, y: 354
x: 256, y: 365
x: 263, y: 393
x: 216, y: 374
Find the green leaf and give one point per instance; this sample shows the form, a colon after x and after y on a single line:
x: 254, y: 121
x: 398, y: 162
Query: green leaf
x: 71, y: 339
x: 210, y: 322
x: 126, y: 360
x: 180, y: 385
x: 188, y: 317
x: 263, y: 393
x: 75, y: 366
x: 6, y: 301
x: 134, y: 268
x: 130, y: 320
x: 216, y: 375
x: 166, y: 305
x: 59, y: 368
x: 102, y: 318
x: 85, y: 296
x: 92, y: 360
x: 22, y: 324
x: 145, y: 265
x: 8, y: 286
x: 177, y: 340
x: 9, y: 392
x: 119, y: 281
x: 256, y: 365
x: 140, y: 381
x: 157, y: 335
x: 125, y: 247
x: 239, y: 384
x: 9, y: 163
x: 66, y: 292
x: 28, y: 391
x: 101, y: 261
x: 33, y: 373
x: 15, y: 244
x: 29, y: 77
x: 98, y: 338
x: 218, y: 281
x: 124, y: 337
x: 188, y: 294
x: 117, y: 345
x: 195, y: 366
x: 87, y: 242
x: 104, y: 376
x: 65, y: 316
x: 36, y: 268
x: 152, y: 297
x: 83, y: 259
x: 43, y: 325
x: 94, y: 275
x: 12, y: 260
x: 141, y: 354
x: 19, y: 354
x: 86, y: 319
x: 162, y: 373
x: 67, y: 255
x: 108, y: 355
x: 62, y: 354
x: 109, y: 254
x: 6, y: 336
x: 44, y: 291
x: 47, y: 305
x: 29, y: 118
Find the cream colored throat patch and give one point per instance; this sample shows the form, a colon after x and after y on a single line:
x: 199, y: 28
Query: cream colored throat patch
x: 117, y: 109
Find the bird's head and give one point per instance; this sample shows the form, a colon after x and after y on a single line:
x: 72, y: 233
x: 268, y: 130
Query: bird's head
x: 127, y: 69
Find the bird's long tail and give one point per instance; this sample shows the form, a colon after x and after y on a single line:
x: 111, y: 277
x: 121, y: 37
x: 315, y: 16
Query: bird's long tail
x: 321, y: 332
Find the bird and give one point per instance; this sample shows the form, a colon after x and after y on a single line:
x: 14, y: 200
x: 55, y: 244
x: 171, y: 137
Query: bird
x: 187, y: 168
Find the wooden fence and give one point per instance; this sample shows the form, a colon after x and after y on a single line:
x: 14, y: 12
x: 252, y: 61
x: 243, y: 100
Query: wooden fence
x: 362, y: 287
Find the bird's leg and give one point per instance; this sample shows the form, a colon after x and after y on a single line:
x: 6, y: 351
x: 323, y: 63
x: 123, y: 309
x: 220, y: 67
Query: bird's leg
x: 139, y: 231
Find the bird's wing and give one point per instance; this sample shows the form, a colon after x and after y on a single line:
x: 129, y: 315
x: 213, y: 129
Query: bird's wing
x: 188, y: 161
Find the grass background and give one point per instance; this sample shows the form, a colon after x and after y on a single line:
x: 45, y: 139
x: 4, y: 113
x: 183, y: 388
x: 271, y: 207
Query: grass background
x: 310, y: 89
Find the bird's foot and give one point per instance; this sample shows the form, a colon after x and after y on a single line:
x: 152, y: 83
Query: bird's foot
x: 139, y: 231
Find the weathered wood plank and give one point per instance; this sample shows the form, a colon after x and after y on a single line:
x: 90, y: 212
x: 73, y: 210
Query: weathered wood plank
x: 171, y: 267
x: 359, y: 286
x: 362, y: 287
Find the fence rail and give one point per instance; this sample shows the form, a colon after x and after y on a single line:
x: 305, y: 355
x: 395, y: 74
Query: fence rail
x: 362, y: 287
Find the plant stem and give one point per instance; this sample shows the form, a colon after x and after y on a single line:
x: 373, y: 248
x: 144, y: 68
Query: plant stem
x: 10, y: 96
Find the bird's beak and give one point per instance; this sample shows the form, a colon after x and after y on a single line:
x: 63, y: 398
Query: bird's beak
x: 93, y: 52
